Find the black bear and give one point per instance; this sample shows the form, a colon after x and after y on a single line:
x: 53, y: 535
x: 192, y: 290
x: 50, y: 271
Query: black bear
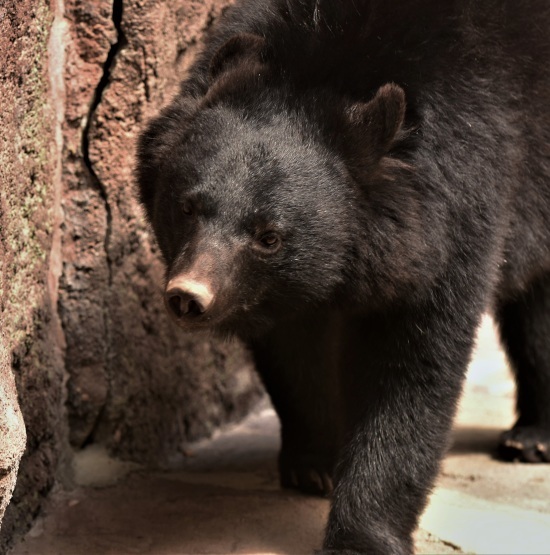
x: 348, y: 186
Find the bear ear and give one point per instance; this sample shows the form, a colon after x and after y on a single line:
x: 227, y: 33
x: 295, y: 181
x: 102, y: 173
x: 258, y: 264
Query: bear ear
x: 156, y: 145
x: 238, y: 49
x: 152, y: 146
x: 376, y: 125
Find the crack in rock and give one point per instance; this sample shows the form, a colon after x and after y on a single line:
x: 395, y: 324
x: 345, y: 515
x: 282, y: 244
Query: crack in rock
x: 102, y: 84
x: 96, y: 101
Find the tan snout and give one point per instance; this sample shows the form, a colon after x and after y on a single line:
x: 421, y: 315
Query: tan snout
x: 187, y: 299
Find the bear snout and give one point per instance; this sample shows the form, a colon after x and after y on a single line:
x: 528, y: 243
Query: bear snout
x: 187, y: 299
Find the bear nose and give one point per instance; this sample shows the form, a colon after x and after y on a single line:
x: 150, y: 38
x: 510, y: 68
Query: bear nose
x: 187, y: 298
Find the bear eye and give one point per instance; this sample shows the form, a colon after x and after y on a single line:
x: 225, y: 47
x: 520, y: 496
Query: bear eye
x: 187, y: 208
x: 270, y: 240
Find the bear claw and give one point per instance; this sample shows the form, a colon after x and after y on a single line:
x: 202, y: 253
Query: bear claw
x: 308, y: 478
x: 525, y: 444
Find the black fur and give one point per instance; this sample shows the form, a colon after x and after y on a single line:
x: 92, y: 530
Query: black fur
x: 364, y: 179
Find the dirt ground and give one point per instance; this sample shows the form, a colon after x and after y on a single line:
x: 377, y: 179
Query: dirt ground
x: 222, y: 496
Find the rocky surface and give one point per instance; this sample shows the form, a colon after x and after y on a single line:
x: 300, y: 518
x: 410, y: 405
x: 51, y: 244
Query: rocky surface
x: 31, y: 338
x: 12, y: 431
x: 95, y: 358
x: 135, y: 383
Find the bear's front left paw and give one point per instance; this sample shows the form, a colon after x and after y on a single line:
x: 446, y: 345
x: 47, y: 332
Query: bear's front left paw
x: 525, y: 444
x: 310, y: 474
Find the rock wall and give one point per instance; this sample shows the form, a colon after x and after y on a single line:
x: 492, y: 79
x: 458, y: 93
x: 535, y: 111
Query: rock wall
x: 129, y: 368
x: 31, y: 337
x: 95, y: 358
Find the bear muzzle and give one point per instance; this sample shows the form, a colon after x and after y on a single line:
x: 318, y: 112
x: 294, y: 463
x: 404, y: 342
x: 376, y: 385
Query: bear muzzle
x: 188, y: 301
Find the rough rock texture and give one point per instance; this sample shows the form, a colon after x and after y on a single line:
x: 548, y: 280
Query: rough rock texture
x: 94, y: 356
x: 12, y: 431
x: 30, y: 331
x: 135, y: 382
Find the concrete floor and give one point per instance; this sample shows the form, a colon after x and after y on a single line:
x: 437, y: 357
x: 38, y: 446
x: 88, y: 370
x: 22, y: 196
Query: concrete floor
x: 223, y: 496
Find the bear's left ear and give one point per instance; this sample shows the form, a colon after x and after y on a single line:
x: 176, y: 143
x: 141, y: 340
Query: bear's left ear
x: 376, y: 125
x: 242, y: 48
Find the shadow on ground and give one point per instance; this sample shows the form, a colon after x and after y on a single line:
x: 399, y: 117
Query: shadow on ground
x: 470, y: 439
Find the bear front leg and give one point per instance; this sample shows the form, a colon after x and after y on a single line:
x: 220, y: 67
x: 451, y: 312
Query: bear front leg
x: 297, y: 362
x: 524, y: 322
x: 404, y: 373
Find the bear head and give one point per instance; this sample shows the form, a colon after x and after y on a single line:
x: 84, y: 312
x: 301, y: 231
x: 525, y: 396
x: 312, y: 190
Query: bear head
x: 254, y: 190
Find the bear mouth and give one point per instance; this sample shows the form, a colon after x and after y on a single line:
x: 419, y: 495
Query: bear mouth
x: 242, y: 323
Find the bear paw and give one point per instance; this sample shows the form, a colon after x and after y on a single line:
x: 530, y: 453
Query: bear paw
x: 525, y: 444
x: 308, y: 473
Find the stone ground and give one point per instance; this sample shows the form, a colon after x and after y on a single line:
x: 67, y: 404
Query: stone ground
x: 222, y: 496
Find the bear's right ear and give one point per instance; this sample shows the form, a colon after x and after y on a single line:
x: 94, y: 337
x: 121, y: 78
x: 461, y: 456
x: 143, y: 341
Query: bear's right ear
x: 242, y: 48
